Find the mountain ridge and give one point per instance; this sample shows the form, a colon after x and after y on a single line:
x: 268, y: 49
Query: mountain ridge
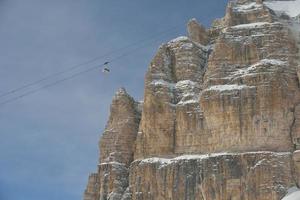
x: 233, y: 88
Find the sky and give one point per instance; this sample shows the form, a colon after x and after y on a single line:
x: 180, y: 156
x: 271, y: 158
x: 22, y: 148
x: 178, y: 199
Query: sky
x: 49, y: 139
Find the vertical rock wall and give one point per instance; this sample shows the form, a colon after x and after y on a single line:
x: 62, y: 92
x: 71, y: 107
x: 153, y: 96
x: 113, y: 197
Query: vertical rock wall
x: 172, y: 84
x: 231, y: 88
x: 117, y: 146
x: 261, y: 176
x: 117, y: 143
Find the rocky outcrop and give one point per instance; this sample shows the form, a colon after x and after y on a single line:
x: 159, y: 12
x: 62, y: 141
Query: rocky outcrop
x: 92, y: 189
x: 117, y: 146
x: 240, y: 97
x: 197, y: 32
x: 118, y: 139
x: 233, y: 87
x: 251, y: 88
x: 246, y: 12
x: 172, y: 88
x: 260, y: 175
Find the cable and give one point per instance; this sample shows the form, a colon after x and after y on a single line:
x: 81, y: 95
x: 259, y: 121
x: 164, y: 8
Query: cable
x: 48, y: 85
x: 84, y: 63
x: 80, y: 73
x: 72, y: 76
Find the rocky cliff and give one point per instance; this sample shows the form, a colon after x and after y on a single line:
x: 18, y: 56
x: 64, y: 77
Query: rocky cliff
x: 233, y: 88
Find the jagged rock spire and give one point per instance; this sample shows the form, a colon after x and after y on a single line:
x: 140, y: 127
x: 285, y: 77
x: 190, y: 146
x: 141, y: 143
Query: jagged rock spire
x: 197, y: 32
x: 239, y: 94
x: 117, y: 142
x: 121, y: 93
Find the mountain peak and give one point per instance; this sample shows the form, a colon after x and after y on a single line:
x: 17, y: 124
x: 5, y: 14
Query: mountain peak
x: 223, y: 102
x: 121, y: 92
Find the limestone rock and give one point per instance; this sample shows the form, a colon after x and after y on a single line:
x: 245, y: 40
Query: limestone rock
x: 252, y: 88
x: 113, y: 181
x: 117, y: 141
x: 260, y: 175
x: 172, y: 81
x: 233, y: 87
x: 92, y: 188
x: 247, y: 11
x: 197, y: 32
x: 117, y: 147
x: 240, y: 97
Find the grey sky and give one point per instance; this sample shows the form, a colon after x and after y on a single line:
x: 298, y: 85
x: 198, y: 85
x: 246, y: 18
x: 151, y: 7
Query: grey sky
x: 49, y: 139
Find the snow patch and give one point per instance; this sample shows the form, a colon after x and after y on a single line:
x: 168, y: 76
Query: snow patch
x: 247, y: 7
x: 251, y: 25
x: 186, y: 92
x: 185, y: 89
x: 259, y: 163
x: 222, y: 88
x: 190, y: 101
x: 191, y: 44
x: 181, y: 85
x: 205, y: 156
x: 114, y: 163
x: 270, y: 62
x: 297, y: 151
x: 293, y: 194
x: 252, y: 68
x: 187, y: 46
x: 185, y: 84
x: 291, y: 8
x: 180, y: 39
x: 161, y: 82
x: 155, y: 160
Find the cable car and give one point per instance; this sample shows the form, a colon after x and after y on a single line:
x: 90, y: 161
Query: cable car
x: 106, y: 70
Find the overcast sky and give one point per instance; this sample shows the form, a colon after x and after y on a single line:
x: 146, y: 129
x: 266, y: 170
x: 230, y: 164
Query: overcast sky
x: 49, y: 140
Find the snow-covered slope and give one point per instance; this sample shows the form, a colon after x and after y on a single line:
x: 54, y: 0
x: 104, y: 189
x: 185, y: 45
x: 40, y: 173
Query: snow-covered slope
x: 293, y: 194
x: 290, y: 7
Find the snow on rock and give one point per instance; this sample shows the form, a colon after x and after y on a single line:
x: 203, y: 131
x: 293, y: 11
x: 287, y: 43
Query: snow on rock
x: 113, y: 163
x: 218, y: 175
x: 292, y: 7
x: 155, y: 160
x: 222, y: 88
x: 251, y: 25
x: 185, y: 84
x: 262, y: 62
x: 186, y: 92
x: 297, y: 151
x: 161, y: 82
x: 293, y: 194
x: 204, y: 156
x: 191, y: 44
x: 179, y: 39
x: 247, y: 7
x: 270, y: 62
x: 190, y: 101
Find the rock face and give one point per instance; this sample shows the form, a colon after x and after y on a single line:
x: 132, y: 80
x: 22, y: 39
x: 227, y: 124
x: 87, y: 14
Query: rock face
x: 231, y: 88
x: 197, y: 32
x: 117, y: 146
x: 172, y: 90
x: 117, y: 142
x: 261, y: 176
